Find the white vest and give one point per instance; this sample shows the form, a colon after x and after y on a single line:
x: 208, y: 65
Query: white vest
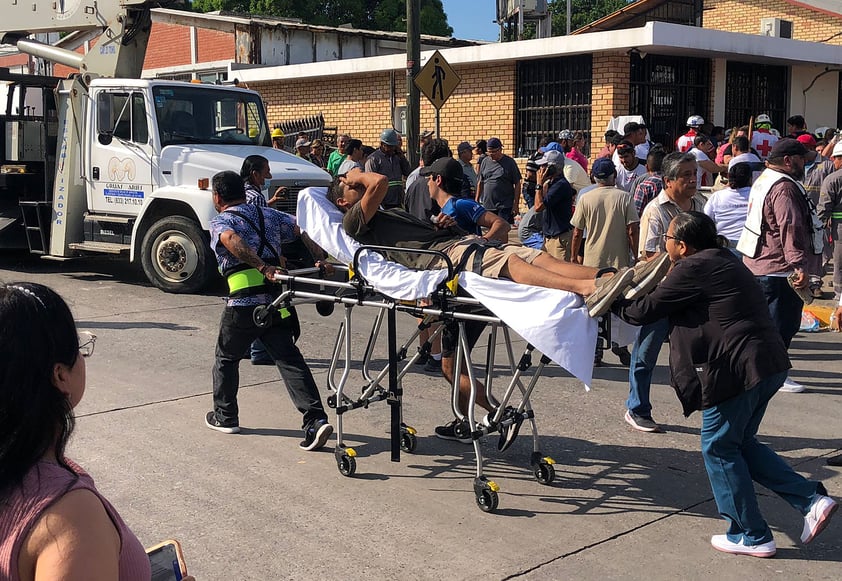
x: 749, y: 243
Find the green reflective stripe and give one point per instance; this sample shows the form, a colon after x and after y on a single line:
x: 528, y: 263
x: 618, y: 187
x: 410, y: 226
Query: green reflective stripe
x: 244, y: 279
x: 284, y: 313
x: 396, y: 183
x: 836, y: 215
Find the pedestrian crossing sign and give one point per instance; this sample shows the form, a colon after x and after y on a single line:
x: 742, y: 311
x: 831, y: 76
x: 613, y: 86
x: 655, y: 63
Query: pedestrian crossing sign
x: 437, y: 80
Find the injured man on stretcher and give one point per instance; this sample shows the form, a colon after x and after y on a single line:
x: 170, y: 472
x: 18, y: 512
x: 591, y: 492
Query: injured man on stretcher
x: 358, y: 196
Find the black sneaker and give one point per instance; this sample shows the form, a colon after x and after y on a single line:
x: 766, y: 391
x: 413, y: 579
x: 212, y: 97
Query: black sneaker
x: 644, y: 424
x: 316, y: 435
x: 457, y: 430
x: 433, y: 365
x: 422, y: 360
x: 213, y: 423
x: 647, y: 275
x: 509, y: 429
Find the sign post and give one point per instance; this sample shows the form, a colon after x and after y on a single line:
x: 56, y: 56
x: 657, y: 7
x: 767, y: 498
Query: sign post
x: 437, y: 80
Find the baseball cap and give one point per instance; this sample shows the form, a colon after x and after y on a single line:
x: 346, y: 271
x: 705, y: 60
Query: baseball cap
x: 446, y: 167
x: 808, y: 140
x: 837, y: 150
x: 494, y: 143
x: 788, y: 146
x: 554, y: 157
x: 565, y: 134
x: 464, y: 146
x: 603, y: 168
x: 552, y: 146
x: 302, y: 143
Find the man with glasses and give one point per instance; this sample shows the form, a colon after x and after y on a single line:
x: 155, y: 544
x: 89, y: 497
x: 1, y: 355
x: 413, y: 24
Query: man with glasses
x: 679, y: 195
x: 783, y: 239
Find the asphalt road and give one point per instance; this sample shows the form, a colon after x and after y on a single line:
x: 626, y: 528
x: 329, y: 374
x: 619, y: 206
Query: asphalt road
x: 624, y: 505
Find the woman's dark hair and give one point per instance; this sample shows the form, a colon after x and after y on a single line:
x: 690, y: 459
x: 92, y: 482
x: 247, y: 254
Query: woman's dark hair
x: 696, y: 229
x: 252, y: 164
x: 36, y: 331
x: 739, y: 176
x: 482, y: 145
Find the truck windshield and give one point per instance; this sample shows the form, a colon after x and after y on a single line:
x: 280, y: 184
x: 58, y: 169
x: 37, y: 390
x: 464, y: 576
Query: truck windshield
x: 197, y: 114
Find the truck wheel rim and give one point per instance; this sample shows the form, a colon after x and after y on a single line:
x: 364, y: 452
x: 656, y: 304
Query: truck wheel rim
x: 174, y: 256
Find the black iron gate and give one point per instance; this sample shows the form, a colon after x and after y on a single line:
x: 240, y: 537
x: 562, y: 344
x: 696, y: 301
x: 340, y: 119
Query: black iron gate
x: 552, y: 94
x: 752, y: 89
x: 666, y: 90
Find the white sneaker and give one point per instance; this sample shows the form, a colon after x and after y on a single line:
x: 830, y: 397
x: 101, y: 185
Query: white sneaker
x: 721, y: 543
x: 817, y: 518
x: 790, y: 386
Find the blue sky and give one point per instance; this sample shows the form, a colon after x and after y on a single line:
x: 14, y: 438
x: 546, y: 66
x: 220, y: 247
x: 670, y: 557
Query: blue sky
x: 472, y: 19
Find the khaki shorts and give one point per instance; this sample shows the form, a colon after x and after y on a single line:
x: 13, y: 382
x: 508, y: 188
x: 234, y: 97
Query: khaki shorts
x: 494, y: 259
x: 559, y: 246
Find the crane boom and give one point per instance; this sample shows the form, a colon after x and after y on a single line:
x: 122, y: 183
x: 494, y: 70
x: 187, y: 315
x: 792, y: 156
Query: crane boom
x: 119, y: 50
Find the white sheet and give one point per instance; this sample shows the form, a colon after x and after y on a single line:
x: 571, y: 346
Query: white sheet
x: 555, y: 322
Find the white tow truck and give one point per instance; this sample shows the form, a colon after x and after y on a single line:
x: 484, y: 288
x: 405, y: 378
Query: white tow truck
x: 105, y: 163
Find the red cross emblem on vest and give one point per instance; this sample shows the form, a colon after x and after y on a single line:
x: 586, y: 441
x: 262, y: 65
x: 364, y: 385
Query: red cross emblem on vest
x: 763, y: 148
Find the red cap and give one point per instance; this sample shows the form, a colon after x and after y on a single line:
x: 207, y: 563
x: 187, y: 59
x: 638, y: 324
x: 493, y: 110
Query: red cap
x: 808, y: 140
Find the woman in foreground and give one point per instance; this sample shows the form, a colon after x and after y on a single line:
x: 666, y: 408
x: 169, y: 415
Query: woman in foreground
x: 728, y: 360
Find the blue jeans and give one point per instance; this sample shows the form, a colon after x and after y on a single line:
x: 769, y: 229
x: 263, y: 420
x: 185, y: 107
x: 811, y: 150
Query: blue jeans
x: 733, y: 458
x: 784, y: 305
x: 644, y: 357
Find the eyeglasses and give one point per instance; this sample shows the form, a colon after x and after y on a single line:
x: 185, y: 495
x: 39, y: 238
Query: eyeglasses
x: 668, y: 237
x: 87, y: 342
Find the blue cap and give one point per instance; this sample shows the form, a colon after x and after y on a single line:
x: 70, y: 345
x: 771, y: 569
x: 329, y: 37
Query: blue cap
x: 552, y: 146
x: 603, y: 168
x: 494, y: 143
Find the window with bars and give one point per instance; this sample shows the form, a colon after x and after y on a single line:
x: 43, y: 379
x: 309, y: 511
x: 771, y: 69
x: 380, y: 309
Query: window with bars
x: 552, y: 94
x: 666, y: 90
x: 752, y: 89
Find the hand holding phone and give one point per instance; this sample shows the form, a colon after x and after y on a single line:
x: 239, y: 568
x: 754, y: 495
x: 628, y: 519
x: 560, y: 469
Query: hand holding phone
x: 167, y: 561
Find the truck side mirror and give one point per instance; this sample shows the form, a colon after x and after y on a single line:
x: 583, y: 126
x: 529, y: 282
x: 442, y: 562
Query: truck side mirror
x: 105, y: 137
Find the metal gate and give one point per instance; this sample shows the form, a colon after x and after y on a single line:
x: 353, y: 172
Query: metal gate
x: 552, y: 94
x: 752, y: 89
x: 666, y: 90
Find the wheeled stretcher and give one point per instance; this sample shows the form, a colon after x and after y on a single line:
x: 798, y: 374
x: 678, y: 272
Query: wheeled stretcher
x: 554, y: 322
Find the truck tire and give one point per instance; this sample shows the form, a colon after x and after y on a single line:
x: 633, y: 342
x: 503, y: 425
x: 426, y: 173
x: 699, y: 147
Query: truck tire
x: 176, y: 257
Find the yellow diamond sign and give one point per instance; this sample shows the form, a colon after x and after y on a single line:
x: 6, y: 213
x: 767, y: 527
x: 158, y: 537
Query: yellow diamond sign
x: 437, y: 80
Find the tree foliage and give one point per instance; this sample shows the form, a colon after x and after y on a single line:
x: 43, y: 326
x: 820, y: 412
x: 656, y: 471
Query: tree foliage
x: 388, y: 15
x: 582, y: 12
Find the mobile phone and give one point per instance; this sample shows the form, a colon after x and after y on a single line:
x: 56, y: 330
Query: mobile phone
x: 550, y: 171
x: 167, y: 561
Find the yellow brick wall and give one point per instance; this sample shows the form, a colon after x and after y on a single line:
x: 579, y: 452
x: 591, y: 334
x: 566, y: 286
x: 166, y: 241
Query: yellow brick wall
x: 483, y: 105
x: 744, y: 16
x: 609, y: 93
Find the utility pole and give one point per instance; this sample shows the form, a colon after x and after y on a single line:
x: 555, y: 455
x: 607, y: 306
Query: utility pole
x: 569, y: 9
x: 413, y: 96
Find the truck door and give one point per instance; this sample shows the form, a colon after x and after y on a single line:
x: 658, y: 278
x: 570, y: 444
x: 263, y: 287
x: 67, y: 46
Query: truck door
x: 120, y: 158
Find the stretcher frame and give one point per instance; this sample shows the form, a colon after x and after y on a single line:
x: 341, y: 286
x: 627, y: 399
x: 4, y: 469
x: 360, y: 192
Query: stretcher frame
x: 445, y: 307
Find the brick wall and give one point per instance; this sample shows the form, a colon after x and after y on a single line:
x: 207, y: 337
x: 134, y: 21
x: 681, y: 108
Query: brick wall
x: 483, y: 105
x: 169, y: 46
x: 214, y: 45
x: 609, y: 94
x: 744, y: 16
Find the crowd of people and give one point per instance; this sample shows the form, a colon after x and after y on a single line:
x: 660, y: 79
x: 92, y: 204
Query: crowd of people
x: 630, y: 232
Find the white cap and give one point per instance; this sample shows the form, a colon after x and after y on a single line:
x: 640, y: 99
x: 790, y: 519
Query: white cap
x: 837, y: 151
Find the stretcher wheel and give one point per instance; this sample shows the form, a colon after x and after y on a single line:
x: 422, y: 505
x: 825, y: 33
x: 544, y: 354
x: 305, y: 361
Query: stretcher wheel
x: 544, y: 473
x: 408, y: 442
x: 347, y: 465
x: 487, y: 500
